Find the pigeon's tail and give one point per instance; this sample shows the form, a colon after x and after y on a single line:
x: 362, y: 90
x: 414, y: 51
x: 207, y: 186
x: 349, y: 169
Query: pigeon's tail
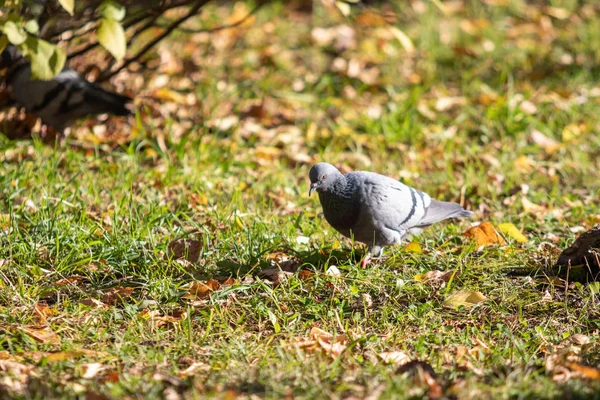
x: 441, y: 210
x: 102, y: 101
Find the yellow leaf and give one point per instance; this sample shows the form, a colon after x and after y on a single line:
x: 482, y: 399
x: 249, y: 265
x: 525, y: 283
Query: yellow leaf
x: 512, y: 231
x: 42, y: 334
x: 484, y: 234
x: 465, y: 298
x: 413, y: 247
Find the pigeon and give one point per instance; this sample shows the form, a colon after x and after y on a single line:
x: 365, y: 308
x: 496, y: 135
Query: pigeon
x: 375, y: 209
x: 61, y: 100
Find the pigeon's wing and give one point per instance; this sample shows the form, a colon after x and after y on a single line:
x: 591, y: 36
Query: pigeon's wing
x: 441, y: 210
x: 390, y: 203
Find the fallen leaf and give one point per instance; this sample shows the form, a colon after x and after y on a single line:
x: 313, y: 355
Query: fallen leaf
x: 186, y: 249
x: 117, y: 294
x: 465, y: 298
x: 532, y: 208
x: 91, y: 370
x: 94, y: 303
x: 304, y: 275
x: 413, y: 247
x: 41, y: 333
x: 199, y: 290
x: 435, y: 276
x: 548, y: 144
x: 394, y: 357
x: 422, y: 375
x: 71, y: 280
x: 484, y: 234
x: 57, y: 356
x: 512, y: 231
x: 41, y: 312
x: 332, y: 345
x: 193, y: 369
x: 584, y: 370
x: 275, y: 275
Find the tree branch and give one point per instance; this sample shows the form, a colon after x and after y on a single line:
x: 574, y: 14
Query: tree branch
x: 155, y: 41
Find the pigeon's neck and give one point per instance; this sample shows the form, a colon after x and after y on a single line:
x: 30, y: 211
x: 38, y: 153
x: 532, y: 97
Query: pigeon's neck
x: 339, y: 205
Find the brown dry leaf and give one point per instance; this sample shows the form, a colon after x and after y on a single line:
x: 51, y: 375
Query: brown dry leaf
x: 117, y: 294
x: 275, y: 275
x: 94, y: 303
x: 305, y: 275
x: 41, y: 312
x: 465, y: 298
x: 397, y: 358
x: 199, y: 290
x: 72, y: 280
x: 41, y: 333
x: 423, y: 375
x: 484, y: 234
x: 187, y: 249
x: 332, y: 345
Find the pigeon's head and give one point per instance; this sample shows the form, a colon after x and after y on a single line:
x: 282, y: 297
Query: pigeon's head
x: 322, y: 176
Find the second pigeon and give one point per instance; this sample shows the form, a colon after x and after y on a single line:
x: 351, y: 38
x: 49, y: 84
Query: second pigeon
x: 374, y: 209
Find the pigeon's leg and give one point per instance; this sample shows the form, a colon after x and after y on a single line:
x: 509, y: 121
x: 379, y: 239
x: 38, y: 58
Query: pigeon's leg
x: 365, y: 261
x: 376, y: 251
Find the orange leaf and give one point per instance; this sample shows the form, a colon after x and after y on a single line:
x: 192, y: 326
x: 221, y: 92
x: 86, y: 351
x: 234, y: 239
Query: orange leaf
x: 587, y: 372
x: 484, y: 234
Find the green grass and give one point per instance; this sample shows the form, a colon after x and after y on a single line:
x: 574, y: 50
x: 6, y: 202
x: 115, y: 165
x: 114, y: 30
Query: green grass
x: 107, y: 209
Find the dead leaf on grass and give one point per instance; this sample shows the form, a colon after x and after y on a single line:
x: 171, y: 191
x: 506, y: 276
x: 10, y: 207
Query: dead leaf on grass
x: 484, y: 234
x: 41, y: 312
x: 41, y: 333
x: 413, y: 247
x: 436, y: 276
x: 394, y: 357
x: 194, y: 369
x: 465, y: 298
x: 185, y: 249
x: 91, y: 370
x: 422, y: 375
x: 333, y: 345
x: 94, y: 303
x: 512, y: 231
x: 56, y: 356
x: 117, y: 294
x: 199, y: 290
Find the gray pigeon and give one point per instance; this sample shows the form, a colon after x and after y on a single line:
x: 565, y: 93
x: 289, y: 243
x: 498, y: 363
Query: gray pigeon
x: 62, y: 100
x: 374, y: 209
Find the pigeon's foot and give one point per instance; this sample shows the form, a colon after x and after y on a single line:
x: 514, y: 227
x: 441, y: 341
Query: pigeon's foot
x: 365, y: 261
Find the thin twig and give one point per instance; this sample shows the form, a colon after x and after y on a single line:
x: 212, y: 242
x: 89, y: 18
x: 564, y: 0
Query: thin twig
x: 222, y: 27
x: 155, y: 41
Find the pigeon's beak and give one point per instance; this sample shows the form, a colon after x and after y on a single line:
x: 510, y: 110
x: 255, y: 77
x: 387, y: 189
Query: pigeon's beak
x: 313, y: 187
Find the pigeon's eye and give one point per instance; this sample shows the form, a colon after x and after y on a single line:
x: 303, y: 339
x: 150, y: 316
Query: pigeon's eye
x: 323, y: 176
